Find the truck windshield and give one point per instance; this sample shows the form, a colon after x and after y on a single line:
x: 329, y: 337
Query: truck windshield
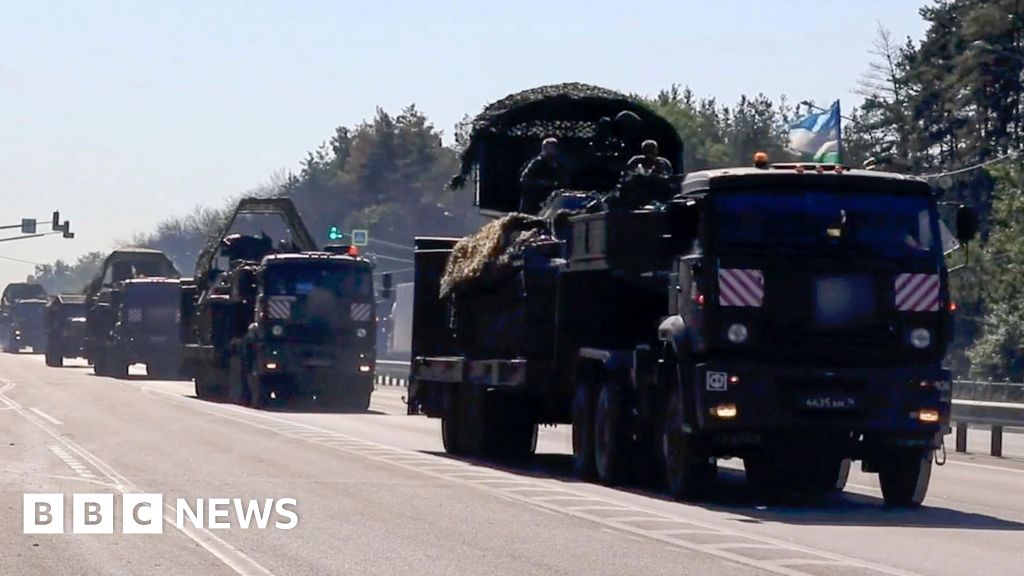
x: 342, y: 280
x: 876, y: 223
x: 152, y: 295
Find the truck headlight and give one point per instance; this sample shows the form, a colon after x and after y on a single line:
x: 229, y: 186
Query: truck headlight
x: 920, y: 338
x: 277, y: 330
x: 737, y: 334
x: 361, y: 332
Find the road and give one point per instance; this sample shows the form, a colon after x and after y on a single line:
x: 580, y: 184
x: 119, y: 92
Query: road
x: 376, y: 495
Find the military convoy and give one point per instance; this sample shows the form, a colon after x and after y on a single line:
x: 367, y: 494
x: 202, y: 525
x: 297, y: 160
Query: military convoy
x: 792, y: 315
x: 21, y: 317
x: 270, y: 319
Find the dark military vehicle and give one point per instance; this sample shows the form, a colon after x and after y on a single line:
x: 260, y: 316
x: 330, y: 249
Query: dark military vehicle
x: 138, y: 322
x: 270, y: 318
x: 21, y: 317
x: 112, y: 332
x: 65, y: 328
x: 794, y: 316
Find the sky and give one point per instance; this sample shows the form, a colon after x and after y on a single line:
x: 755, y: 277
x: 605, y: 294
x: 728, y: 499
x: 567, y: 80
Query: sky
x: 119, y: 114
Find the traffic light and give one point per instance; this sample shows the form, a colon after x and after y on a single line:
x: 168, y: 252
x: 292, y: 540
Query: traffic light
x: 334, y: 233
x: 66, y: 229
x: 55, y: 223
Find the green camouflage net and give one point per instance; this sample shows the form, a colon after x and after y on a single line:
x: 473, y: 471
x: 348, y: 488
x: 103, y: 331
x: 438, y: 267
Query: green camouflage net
x: 486, y: 255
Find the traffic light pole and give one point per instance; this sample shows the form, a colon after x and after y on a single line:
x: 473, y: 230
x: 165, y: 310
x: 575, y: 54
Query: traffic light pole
x: 27, y: 236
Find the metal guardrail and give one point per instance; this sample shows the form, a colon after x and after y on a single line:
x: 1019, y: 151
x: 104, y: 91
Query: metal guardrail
x: 993, y: 404
x: 391, y: 373
x: 997, y: 405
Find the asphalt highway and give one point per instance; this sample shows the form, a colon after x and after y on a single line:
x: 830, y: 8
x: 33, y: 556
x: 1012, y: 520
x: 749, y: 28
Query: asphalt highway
x: 374, y: 493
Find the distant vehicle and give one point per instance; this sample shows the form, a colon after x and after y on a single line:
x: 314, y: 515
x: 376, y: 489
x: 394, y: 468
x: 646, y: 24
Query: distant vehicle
x: 65, y: 328
x: 398, y: 336
x: 21, y: 317
x: 792, y: 315
x: 111, y: 327
x: 137, y: 322
x: 272, y: 320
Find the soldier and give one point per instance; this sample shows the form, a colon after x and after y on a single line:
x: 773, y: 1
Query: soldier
x: 649, y: 163
x: 543, y: 175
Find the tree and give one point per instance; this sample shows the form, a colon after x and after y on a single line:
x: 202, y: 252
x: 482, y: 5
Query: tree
x: 999, y: 353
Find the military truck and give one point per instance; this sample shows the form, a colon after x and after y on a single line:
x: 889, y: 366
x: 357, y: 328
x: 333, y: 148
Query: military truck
x: 65, y: 328
x: 109, y: 342
x: 792, y: 315
x: 274, y: 320
x: 137, y: 322
x: 21, y: 317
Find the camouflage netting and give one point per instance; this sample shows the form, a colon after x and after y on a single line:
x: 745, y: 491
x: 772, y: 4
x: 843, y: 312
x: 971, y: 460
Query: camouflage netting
x: 566, y: 111
x: 486, y: 255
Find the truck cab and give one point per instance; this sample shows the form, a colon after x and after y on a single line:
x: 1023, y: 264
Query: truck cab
x: 21, y: 317
x: 809, y: 314
x: 137, y: 322
x: 313, y: 329
x: 65, y: 328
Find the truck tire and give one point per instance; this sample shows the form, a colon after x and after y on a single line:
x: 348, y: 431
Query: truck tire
x: 904, y: 476
x: 118, y: 366
x: 511, y: 431
x: 583, y: 403
x: 688, y: 470
x: 99, y: 365
x: 210, y: 384
x: 238, y: 385
x: 611, y: 443
x: 453, y: 429
x: 54, y: 357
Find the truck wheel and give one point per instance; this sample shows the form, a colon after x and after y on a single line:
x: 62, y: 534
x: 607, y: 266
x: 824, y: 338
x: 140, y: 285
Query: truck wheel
x: 210, y: 384
x: 904, y: 477
x: 451, y: 423
x: 54, y: 357
x: 259, y: 395
x: 611, y: 445
x: 119, y: 367
x: 511, y: 430
x: 238, y: 389
x: 583, y: 431
x: 688, y: 471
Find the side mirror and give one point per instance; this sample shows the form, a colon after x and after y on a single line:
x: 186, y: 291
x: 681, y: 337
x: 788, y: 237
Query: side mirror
x: 386, y: 291
x: 966, y: 223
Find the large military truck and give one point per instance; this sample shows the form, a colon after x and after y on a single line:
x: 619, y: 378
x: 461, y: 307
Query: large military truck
x: 137, y: 322
x: 795, y: 316
x: 21, y: 317
x: 274, y: 320
x: 112, y: 333
x: 65, y: 328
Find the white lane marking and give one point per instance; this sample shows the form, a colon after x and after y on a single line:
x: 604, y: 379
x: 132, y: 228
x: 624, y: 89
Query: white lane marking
x: 47, y: 417
x: 231, y: 557
x: 277, y: 425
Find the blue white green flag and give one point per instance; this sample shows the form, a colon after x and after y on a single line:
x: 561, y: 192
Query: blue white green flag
x: 818, y: 137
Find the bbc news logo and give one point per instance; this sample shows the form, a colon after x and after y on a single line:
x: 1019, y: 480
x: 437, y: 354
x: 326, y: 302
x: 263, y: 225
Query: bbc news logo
x: 144, y: 513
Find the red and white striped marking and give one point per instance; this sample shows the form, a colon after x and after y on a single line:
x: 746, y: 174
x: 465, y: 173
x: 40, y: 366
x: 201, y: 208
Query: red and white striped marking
x: 280, y: 307
x: 740, y: 287
x: 917, y: 292
x: 361, y: 311
x: 134, y: 314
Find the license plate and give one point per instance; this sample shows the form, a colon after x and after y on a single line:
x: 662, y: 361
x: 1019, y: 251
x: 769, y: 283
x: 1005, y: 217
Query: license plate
x: 158, y: 338
x: 829, y: 401
x: 319, y: 362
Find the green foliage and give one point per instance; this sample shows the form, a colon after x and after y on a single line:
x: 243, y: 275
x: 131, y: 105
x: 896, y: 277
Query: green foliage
x: 62, y: 276
x: 716, y: 135
x: 999, y: 353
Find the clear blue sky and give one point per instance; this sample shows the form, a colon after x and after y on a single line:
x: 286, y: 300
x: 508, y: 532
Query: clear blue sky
x: 119, y: 113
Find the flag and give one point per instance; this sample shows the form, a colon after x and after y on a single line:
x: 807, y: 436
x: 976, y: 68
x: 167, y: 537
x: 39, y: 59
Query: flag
x: 818, y: 137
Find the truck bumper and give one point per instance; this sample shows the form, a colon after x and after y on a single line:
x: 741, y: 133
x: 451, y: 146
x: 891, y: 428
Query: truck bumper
x: 745, y: 400
x: 315, y: 369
